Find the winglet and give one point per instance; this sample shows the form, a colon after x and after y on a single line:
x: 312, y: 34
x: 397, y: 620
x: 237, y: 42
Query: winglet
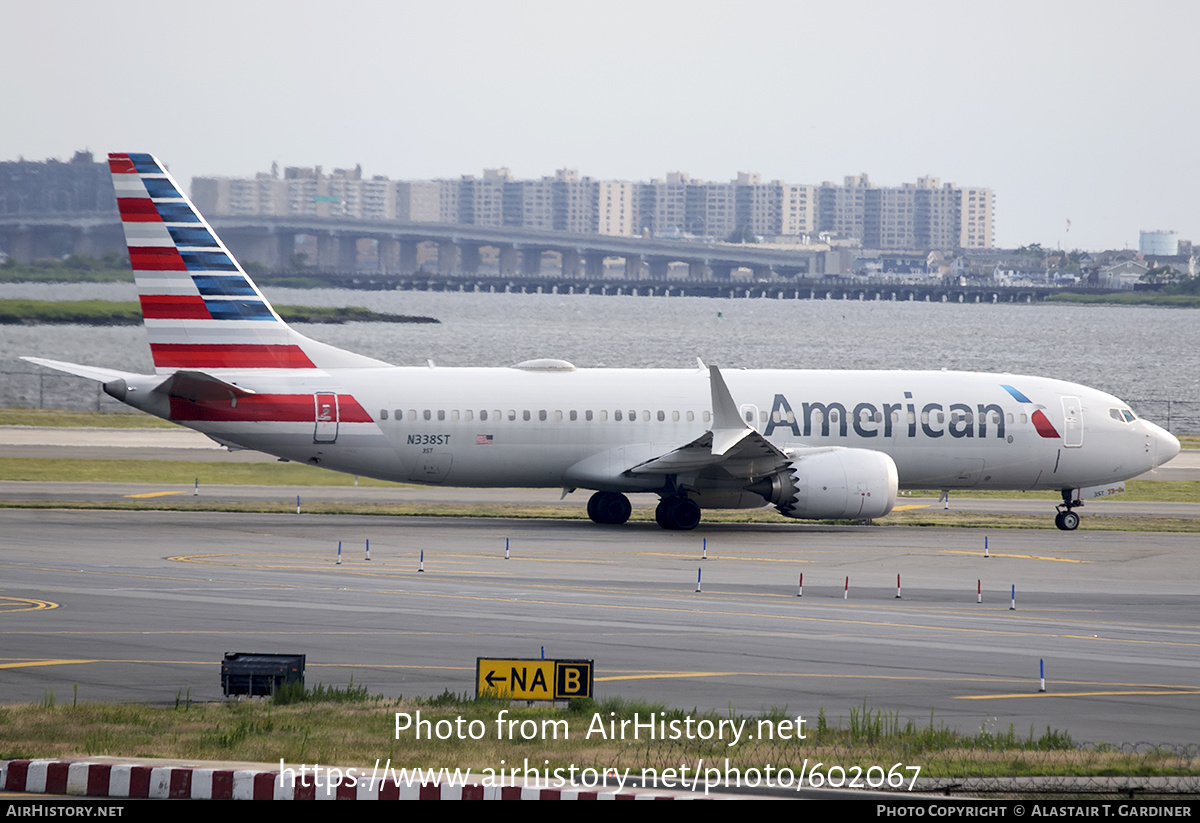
x: 729, y: 439
x: 725, y: 410
x: 728, y: 428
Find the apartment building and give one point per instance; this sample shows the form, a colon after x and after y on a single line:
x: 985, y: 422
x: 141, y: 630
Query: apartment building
x: 926, y: 214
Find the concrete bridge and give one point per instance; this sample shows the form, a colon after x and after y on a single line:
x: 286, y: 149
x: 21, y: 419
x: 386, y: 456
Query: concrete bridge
x: 271, y: 243
x: 525, y: 260
x: 798, y: 288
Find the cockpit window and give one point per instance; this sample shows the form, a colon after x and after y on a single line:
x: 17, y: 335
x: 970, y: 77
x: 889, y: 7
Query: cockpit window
x: 1122, y: 415
x: 1129, y: 416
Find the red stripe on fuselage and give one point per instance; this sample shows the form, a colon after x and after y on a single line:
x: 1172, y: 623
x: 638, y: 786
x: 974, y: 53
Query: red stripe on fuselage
x: 137, y: 210
x: 155, y: 258
x: 1043, y: 425
x: 266, y: 408
x: 120, y: 164
x: 228, y: 356
x: 174, y: 307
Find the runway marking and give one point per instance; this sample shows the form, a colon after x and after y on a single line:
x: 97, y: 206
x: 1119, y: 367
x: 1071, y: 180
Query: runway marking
x: 1165, y: 691
x: 21, y: 664
x: 1126, y: 640
x: 719, y: 613
x: 813, y: 675
x: 12, y: 605
x: 930, y: 609
x: 1134, y: 689
x: 673, y: 593
x: 25, y: 664
x: 912, y: 506
x: 694, y: 556
x: 519, y: 556
x: 1016, y: 556
x: 671, y: 610
x: 153, y: 494
x: 1138, y: 690
x: 392, y: 565
x: 392, y: 559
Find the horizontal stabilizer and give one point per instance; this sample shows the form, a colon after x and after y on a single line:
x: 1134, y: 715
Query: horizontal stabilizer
x: 90, y: 372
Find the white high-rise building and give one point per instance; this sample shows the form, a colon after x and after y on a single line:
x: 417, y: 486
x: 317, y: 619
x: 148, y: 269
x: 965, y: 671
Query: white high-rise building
x: 923, y: 215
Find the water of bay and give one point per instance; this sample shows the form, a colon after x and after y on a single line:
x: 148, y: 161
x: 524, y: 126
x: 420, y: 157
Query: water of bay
x: 1132, y: 352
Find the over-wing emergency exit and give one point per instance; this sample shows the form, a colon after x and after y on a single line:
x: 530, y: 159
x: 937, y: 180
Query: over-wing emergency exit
x: 814, y: 444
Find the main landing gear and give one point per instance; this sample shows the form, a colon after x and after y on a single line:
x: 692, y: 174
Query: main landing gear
x: 610, y: 508
x: 677, y: 513
x: 1066, y: 519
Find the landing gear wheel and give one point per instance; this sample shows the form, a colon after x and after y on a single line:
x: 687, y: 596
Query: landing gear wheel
x: 1067, y: 519
x: 677, y: 514
x: 609, y: 508
x: 662, y: 513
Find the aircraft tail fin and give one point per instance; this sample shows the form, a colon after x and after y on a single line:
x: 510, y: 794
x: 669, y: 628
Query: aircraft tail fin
x: 201, y: 309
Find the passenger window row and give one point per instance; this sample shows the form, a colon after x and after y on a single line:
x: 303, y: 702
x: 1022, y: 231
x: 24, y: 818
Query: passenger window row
x: 543, y: 416
x: 645, y: 416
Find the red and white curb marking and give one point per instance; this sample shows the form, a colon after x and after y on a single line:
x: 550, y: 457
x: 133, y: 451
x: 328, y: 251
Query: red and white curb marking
x: 83, y: 779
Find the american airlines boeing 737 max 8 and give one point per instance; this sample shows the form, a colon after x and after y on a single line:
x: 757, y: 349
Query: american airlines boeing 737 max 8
x: 815, y: 444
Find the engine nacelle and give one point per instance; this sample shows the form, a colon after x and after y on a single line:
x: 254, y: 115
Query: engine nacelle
x: 833, y: 484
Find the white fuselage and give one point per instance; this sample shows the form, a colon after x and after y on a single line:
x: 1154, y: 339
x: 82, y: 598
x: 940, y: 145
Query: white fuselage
x: 816, y: 444
x: 587, y: 428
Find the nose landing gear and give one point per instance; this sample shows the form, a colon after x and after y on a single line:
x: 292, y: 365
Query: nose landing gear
x: 1067, y: 519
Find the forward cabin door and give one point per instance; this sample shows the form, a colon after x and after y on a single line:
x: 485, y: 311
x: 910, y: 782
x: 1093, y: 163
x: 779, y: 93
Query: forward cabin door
x: 1072, y: 422
x: 326, y: 430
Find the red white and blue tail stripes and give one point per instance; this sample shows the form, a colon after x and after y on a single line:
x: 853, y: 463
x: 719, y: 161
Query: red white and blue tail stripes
x: 201, y: 310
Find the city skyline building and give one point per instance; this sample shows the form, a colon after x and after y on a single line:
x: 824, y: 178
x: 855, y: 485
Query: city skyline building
x: 926, y: 214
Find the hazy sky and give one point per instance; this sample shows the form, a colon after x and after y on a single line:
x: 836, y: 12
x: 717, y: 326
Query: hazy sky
x: 1080, y: 111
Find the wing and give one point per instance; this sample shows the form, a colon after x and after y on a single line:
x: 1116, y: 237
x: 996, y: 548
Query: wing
x: 730, y: 445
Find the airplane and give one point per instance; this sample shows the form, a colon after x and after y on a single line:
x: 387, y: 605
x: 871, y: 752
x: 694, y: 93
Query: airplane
x: 817, y: 445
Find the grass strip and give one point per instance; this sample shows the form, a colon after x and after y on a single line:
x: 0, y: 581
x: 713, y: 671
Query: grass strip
x: 79, y: 269
x: 175, y: 472
x: 81, y: 312
x: 288, y: 476
x: 64, y: 419
x: 113, y: 313
x: 641, y: 514
x: 1136, y: 491
x: 172, y: 473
